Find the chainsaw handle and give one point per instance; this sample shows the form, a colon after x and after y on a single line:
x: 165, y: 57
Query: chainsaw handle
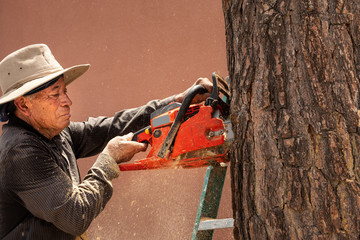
x: 197, y: 89
x: 143, y: 135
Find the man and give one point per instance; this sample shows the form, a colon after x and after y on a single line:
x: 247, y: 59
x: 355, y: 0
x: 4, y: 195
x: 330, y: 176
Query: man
x: 41, y: 194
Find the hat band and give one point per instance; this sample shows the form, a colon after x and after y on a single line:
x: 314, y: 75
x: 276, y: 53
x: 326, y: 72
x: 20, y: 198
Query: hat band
x: 43, y: 86
x: 31, y: 78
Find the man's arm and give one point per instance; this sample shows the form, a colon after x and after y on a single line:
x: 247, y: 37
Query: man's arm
x: 90, y: 138
x: 48, y: 192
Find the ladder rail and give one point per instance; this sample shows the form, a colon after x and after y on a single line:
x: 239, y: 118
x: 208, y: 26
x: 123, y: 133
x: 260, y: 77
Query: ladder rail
x: 209, y: 204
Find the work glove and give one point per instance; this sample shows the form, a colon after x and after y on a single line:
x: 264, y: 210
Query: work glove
x: 122, y: 149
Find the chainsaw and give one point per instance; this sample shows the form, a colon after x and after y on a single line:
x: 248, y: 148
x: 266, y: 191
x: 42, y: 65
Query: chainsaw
x: 188, y: 135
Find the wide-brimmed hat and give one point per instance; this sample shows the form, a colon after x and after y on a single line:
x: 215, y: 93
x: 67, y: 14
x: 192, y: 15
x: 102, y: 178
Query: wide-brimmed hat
x: 30, y: 67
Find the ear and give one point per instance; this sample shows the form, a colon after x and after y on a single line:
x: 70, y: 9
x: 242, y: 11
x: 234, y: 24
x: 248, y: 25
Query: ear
x: 22, y: 104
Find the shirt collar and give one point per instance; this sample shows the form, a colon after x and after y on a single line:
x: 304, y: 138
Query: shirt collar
x: 15, y: 121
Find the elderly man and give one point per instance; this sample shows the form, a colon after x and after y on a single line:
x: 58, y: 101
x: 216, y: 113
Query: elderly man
x: 41, y: 193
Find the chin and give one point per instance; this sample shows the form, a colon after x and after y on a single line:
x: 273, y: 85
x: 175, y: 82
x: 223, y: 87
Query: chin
x: 65, y: 124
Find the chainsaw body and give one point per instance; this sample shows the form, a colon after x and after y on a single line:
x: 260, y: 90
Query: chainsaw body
x: 199, y: 140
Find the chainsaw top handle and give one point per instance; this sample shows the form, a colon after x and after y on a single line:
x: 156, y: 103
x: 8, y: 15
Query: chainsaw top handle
x: 197, y: 89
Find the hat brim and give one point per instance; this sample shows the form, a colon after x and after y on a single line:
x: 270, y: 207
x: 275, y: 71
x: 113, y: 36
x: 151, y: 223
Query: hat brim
x: 70, y: 74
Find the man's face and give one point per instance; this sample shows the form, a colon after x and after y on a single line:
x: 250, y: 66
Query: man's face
x: 49, y: 109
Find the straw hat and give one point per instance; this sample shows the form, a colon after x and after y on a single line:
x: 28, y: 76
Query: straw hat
x: 30, y: 67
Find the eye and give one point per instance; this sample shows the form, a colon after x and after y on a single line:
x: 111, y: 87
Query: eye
x: 55, y: 95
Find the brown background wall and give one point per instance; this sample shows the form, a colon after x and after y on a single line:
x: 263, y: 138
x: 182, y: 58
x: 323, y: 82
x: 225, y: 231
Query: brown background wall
x: 138, y: 50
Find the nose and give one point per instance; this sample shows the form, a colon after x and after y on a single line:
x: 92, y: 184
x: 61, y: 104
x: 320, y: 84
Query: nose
x: 65, y: 100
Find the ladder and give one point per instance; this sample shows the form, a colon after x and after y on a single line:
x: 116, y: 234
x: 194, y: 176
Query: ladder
x: 206, y: 221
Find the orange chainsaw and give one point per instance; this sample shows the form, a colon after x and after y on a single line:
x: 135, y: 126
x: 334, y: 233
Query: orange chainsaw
x: 188, y: 136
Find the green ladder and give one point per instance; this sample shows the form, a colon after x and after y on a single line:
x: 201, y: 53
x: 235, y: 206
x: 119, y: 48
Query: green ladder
x: 206, y: 221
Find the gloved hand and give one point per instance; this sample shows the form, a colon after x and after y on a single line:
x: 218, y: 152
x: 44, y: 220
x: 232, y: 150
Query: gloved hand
x: 200, y: 97
x: 122, y: 149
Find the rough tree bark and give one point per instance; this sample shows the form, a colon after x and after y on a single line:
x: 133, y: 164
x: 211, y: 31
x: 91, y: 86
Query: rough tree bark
x: 294, y: 67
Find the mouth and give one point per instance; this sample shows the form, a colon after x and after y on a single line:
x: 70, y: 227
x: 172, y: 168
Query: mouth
x: 67, y: 115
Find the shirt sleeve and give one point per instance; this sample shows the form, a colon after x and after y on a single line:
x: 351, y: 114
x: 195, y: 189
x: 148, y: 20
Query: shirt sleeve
x: 38, y: 183
x: 89, y: 138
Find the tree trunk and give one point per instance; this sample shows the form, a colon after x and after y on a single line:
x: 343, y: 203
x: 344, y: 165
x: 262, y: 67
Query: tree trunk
x: 294, y: 67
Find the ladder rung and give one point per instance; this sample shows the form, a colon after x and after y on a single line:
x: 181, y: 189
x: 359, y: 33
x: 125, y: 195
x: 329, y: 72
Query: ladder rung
x: 216, y: 223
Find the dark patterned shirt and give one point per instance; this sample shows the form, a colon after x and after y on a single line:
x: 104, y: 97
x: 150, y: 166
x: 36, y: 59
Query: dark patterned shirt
x: 41, y: 193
